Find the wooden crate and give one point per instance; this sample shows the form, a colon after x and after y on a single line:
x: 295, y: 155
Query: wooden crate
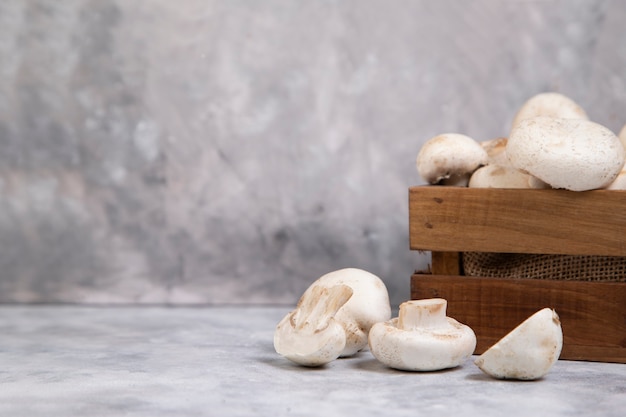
x: 450, y: 220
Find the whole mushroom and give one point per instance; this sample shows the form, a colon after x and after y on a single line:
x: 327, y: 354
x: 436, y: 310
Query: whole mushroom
x: 333, y: 317
x: 553, y: 105
x: 576, y: 155
x: 496, y: 176
x: 496, y: 151
x: 449, y: 156
x: 422, y: 338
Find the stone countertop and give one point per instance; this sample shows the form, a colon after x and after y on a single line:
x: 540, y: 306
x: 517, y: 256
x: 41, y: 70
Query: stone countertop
x: 160, y: 361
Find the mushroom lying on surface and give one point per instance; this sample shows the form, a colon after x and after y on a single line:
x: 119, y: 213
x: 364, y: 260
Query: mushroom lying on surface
x: 310, y: 335
x: 367, y: 304
x: 449, y: 155
x: 553, y: 105
x: 528, y: 351
x: 422, y: 338
x: 576, y: 155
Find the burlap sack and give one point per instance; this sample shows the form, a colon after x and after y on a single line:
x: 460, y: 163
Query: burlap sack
x: 556, y: 267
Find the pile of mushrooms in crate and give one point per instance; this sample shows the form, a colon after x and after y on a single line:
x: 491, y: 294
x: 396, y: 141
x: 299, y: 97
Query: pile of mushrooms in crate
x: 552, y: 144
x: 346, y: 310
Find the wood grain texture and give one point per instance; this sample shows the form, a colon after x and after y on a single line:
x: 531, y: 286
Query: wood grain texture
x: 446, y: 263
x: 593, y: 314
x: 517, y: 221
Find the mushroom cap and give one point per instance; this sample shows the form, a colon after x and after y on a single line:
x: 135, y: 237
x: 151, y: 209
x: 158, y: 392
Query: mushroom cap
x: 573, y: 154
x: 496, y: 176
x: 528, y: 352
x: 447, y: 155
x: 496, y: 151
x: 369, y: 304
x: 550, y: 105
x: 422, y: 344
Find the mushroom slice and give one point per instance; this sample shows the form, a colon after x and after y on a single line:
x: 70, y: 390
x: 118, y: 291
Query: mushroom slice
x: 449, y: 155
x: 553, y: 105
x: 422, y: 338
x: 310, y: 335
x: 528, y: 351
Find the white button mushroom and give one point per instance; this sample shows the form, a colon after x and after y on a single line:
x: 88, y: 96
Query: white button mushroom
x: 355, y: 314
x: 422, y: 338
x: 573, y: 154
x: 496, y: 151
x: 310, y: 335
x: 528, y: 352
x: 495, y: 176
x: 553, y: 105
x: 449, y: 155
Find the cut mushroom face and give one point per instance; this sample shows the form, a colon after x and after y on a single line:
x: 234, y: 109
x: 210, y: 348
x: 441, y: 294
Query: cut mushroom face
x: 528, y: 352
x: 326, y: 305
x: 449, y: 155
x: 310, y: 335
x: 553, y: 105
x: 576, y: 155
x: 422, y: 338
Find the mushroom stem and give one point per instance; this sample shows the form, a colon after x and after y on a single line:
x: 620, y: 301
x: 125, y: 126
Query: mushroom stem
x: 428, y: 313
x: 315, y: 312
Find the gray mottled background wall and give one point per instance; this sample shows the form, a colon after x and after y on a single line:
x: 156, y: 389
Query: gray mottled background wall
x: 233, y: 151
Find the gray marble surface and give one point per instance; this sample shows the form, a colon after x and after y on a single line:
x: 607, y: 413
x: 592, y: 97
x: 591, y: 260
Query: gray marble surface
x: 158, y: 361
x: 223, y: 151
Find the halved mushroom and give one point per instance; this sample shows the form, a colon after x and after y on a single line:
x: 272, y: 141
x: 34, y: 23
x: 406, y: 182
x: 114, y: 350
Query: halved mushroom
x: 306, y: 335
x: 422, y: 338
x: 449, y: 155
x: 528, y: 352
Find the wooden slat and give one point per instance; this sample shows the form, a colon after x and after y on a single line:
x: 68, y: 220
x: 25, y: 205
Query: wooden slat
x: 453, y: 219
x: 446, y: 263
x: 593, y: 314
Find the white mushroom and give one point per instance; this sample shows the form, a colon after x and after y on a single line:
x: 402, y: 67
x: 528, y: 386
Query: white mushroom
x: 449, y: 155
x: 553, y: 105
x: 495, y: 149
x: 528, y: 351
x: 496, y: 176
x: 422, y: 338
x: 573, y: 154
x: 619, y: 183
x: 368, y: 304
x: 310, y: 335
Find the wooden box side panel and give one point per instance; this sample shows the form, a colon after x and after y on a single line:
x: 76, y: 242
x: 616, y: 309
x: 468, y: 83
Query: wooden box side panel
x: 593, y: 315
x: 455, y: 219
